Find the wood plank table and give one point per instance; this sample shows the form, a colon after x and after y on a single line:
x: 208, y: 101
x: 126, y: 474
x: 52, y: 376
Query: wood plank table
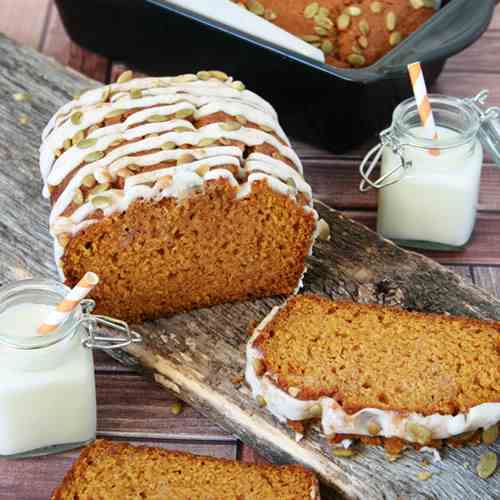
x: 133, y: 409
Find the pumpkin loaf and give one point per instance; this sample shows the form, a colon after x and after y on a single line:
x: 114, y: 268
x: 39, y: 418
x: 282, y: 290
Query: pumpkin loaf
x: 179, y: 192
x: 119, y: 471
x: 350, y: 33
x: 368, y: 370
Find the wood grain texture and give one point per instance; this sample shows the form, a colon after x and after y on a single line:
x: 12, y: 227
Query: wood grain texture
x: 197, y: 355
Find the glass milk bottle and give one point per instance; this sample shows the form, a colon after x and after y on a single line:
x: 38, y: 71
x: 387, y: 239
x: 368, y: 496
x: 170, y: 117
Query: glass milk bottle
x: 47, y: 389
x: 429, y: 188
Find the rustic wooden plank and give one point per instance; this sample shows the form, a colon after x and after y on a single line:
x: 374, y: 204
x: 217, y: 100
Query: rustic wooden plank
x: 488, y: 278
x: 482, y: 249
x: 24, y: 20
x: 105, y: 364
x: 35, y: 479
x: 495, y: 22
x: 199, y: 354
x: 335, y: 181
x: 130, y: 406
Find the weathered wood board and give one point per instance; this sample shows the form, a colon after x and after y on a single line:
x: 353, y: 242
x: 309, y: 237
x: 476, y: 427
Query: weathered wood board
x: 199, y: 355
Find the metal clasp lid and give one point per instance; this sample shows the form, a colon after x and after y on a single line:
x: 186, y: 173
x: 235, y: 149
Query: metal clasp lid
x: 489, y: 131
x: 387, y: 139
x: 96, y: 339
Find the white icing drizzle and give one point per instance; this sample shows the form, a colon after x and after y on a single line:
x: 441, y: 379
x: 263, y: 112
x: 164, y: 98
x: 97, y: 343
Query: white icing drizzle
x: 335, y: 420
x: 137, y: 143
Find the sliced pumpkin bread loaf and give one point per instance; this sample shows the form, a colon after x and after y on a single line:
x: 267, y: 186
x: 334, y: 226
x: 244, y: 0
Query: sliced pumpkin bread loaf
x: 369, y: 370
x: 119, y: 471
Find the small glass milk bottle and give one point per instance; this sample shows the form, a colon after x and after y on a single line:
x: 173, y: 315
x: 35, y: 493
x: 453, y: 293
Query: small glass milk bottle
x: 428, y: 190
x: 47, y: 389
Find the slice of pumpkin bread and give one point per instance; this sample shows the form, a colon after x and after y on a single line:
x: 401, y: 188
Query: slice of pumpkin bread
x: 376, y: 371
x: 119, y: 471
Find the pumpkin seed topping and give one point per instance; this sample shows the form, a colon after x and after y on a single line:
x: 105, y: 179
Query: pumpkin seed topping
x: 164, y: 182
x: 417, y: 4
x: 324, y: 11
x: 185, y: 158
x: 21, y: 96
x: 76, y: 118
x: 67, y: 144
x: 376, y: 7
x: 241, y: 119
x: 24, y: 119
x: 156, y: 118
x: 395, y: 38
x: 424, y: 476
x: 100, y: 201
x: 327, y: 46
x: 324, y: 22
x: 89, y: 181
x: 136, y: 93
x: 78, y: 197
x: 220, y: 75
x: 293, y: 391
x: 343, y: 452
x: 207, y: 141
x: 255, y: 7
x: 487, y: 465
x: 78, y: 137
x: 373, y: 428
x: 354, y: 10
x: 230, y: 126
x: 260, y: 401
x: 202, y: 169
x: 106, y: 92
x: 168, y: 145
x: 259, y: 367
x: 184, y: 113
x: 316, y: 410
x: 356, y: 60
x: 176, y: 408
x: 86, y: 143
x: 265, y: 128
x: 238, y: 85
x: 203, y: 75
x: 125, y: 76
x: 364, y: 27
x: 323, y: 230
x: 100, y: 188
x: 94, y: 156
x: 63, y: 239
x: 363, y: 42
x: 124, y: 172
x: 182, y: 129
x: 270, y: 15
x: 490, y: 434
x: 391, y: 20
x: 311, y: 38
x: 311, y: 10
x: 320, y: 30
x: 418, y: 433
x: 343, y: 22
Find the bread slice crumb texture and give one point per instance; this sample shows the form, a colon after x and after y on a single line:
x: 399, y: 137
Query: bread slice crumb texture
x: 367, y: 356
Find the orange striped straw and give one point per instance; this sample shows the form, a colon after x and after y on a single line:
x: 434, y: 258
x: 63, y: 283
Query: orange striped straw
x: 70, y: 302
x: 423, y: 103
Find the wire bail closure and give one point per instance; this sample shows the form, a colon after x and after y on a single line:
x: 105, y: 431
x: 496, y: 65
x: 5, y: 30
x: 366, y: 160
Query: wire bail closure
x: 387, y: 139
x: 95, y: 339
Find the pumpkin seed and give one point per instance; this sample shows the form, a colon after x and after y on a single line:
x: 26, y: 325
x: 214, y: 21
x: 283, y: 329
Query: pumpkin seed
x: 100, y: 188
x: 259, y: 367
x: 265, y: 128
x: 67, y: 144
x: 182, y: 129
x: 260, y: 401
x: 391, y: 20
x: 324, y: 11
x: 203, y: 75
x: 100, y: 201
x: 94, y: 156
x: 354, y: 10
x: 241, y: 119
x: 424, y: 476
x: 207, y: 141
x: 356, y: 49
x: 311, y: 38
x: 327, y: 46
x: 316, y: 411
x: 418, y: 433
x: 320, y: 30
x: 106, y: 91
x: 24, y: 119
x: 364, y: 27
x: 323, y: 230
x: 311, y: 10
x: 21, y: 96
x: 78, y: 197
x: 188, y: 77
x: 487, y: 465
x: 220, y: 75
x: 76, y: 118
x: 89, y: 181
x: 376, y: 7
x: 363, y: 42
x: 185, y: 158
x: 343, y: 452
x: 255, y: 7
x: 136, y: 93
x: 431, y: 4
x: 202, y: 169
x: 324, y: 22
x: 125, y: 76
x: 115, y: 112
x: 490, y: 434
x: 156, y: 118
x: 391, y: 457
x: 164, y: 182
x: 395, y: 38
x: 343, y: 22
x: 87, y: 143
x: 356, y: 60
x: 78, y: 137
x: 168, y: 145
x: 293, y: 391
x: 230, y: 126
x: 373, y: 428
x: 63, y: 239
x: 417, y: 4
x: 176, y: 408
x: 270, y: 15
x: 184, y: 113
x: 124, y: 172
x: 237, y: 85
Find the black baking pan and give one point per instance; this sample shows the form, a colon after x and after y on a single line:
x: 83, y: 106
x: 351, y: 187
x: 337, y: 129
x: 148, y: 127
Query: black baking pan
x: 332, y: 107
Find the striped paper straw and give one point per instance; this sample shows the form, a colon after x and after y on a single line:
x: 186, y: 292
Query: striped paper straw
x: 66, y: 307
x: 423, y: 103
